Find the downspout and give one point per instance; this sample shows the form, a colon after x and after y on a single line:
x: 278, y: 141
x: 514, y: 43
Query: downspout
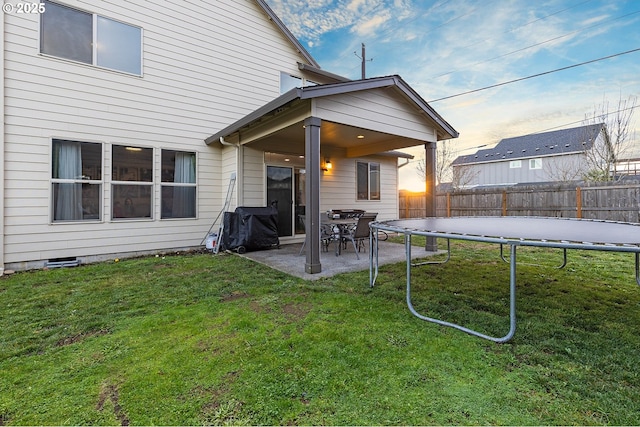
x: 228, y: 144
x: 239, y: 170
x: 404, y: 164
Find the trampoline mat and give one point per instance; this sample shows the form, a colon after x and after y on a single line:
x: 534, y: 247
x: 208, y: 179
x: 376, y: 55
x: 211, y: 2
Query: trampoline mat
x: 528, y: 228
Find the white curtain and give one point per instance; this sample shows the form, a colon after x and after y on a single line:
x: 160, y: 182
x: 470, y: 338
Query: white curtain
x: 184, y: 197
x: 68, y: 203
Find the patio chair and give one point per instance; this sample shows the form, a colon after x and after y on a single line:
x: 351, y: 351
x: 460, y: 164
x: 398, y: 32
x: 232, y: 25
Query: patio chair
x: 327, y: 235
x: 360, y: 232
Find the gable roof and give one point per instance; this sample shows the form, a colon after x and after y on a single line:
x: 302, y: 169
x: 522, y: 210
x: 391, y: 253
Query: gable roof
x: 444, y: 129
x: 283, y: 28
x: 559, y: 142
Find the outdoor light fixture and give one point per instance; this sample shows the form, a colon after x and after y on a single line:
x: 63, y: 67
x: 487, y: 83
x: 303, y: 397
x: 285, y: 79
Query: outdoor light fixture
x: 327, y: 165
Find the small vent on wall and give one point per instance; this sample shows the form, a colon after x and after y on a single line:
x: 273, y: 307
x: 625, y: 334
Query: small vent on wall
x: 62, y: 262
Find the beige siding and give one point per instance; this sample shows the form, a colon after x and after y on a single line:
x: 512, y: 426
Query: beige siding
x: 201, y: 72
x: 338, y: 187
x: 254, y: 177
x: 381, y: 110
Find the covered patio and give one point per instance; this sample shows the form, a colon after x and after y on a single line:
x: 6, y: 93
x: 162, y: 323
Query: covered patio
x: 350, y: 120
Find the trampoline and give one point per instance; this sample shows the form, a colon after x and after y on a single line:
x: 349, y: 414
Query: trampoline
x: 561, y: 233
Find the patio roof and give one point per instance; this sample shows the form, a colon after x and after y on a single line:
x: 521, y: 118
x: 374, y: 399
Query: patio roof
x: 363, y: 117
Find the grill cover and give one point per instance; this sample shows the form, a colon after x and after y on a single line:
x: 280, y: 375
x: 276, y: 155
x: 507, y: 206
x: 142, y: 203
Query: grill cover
x: 251, y: 229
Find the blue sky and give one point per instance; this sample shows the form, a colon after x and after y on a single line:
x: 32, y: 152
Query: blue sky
x: 446, y: 47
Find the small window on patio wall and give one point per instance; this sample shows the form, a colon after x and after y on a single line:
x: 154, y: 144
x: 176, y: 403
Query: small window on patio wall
x: 368, y: 180
x: 178, y: 184
x: 76, y: 179
x: 132, y: 182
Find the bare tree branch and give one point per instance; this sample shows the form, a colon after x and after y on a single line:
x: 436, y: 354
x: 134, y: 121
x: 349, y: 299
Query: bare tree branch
x: 606, y: 151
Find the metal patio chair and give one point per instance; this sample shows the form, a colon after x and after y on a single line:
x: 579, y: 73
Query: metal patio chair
x: 360, y: 232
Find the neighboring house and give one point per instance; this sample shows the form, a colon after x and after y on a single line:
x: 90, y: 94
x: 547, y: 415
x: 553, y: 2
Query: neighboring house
x: 542, y: 157
x: 107, y: 106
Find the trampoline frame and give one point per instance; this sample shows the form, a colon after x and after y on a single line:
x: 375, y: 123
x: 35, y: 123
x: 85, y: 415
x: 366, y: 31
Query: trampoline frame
x: 513, y: 244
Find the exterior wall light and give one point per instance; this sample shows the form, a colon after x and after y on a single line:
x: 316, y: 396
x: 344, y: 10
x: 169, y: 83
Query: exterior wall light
x: 327, y: 165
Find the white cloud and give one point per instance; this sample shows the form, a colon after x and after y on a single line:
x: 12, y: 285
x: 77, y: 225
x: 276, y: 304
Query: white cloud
x: 369, y: 27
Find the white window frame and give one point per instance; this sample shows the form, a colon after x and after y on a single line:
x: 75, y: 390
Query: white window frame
x: 138, y: 183
x: 177, y: 185
x: 370, y: 173
x: 94, y: 41
x: 535, y: 164
x: 515, y: 164
x: 79, y: 179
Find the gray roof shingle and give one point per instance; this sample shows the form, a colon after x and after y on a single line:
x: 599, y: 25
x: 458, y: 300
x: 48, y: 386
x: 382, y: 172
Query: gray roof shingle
x: 562, y: 141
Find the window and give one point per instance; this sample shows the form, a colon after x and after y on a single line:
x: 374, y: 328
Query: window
x: 535, y: 163
x: 76, y: 178
x: 368, y: 180
x: 131, y: 182
x: 515, y: 164
x: 178, y: 184
x: 69, y: 33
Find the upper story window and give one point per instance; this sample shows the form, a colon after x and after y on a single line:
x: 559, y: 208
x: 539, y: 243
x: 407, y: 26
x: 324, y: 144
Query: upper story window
x: 368, y: 180
x: 289, y: 81
x: 76, y: 180
x: 535, y: 163
x: 515, y: 164
x: 91, y: 39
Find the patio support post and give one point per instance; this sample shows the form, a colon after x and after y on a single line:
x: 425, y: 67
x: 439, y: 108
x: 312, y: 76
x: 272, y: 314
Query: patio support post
x: 431, y: 244
x: 312, y: 196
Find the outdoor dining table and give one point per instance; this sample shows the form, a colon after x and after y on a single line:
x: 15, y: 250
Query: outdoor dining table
x: 560, y: 233
x: 343, y: 225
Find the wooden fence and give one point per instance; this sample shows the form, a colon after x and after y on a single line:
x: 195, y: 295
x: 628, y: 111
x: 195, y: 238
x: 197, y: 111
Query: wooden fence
x: 605, y: 201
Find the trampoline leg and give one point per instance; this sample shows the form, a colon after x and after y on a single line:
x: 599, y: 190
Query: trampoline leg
x: 512, y: 300
x: 561, y: 266
x: 373, y: 257
x: 417, y: 264
x: 637, y: 269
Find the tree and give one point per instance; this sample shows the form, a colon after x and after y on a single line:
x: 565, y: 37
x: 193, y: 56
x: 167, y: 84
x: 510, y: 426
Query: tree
x: 617, y: 135
x: 459, y: 176
x: 444, y: 157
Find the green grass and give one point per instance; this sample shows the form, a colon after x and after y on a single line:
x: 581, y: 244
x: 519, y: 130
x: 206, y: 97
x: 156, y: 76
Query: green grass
x: 200, y: 339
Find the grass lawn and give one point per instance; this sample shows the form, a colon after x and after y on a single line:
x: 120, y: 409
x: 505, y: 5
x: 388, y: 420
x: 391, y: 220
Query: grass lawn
x: 199, y: 339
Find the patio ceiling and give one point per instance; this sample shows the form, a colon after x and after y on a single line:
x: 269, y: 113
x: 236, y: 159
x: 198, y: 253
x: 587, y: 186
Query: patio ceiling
x: 352, y: 140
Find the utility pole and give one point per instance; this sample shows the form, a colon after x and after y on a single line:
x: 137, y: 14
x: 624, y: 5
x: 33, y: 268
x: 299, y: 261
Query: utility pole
x: 364, y: 60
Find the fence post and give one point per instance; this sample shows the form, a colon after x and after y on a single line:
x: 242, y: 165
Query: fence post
x: 578, y: 202
x: 406, y: 205
x: 448, y: 204
x: 504, y: 203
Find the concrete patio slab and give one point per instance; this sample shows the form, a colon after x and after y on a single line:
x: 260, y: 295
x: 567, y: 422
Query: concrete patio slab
x: 288, y: 259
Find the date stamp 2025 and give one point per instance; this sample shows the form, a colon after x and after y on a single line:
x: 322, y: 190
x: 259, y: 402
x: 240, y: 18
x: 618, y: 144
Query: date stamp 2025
x: 23, y: 7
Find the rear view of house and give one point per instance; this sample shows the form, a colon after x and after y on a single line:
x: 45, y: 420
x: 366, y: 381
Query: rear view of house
x: 107, y: 107
x: 547, y: 156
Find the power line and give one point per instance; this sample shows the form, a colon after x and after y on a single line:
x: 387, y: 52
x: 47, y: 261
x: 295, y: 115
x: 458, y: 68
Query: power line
x: 515, y: 29
x: 536, y: 75
x: 541, y: 43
